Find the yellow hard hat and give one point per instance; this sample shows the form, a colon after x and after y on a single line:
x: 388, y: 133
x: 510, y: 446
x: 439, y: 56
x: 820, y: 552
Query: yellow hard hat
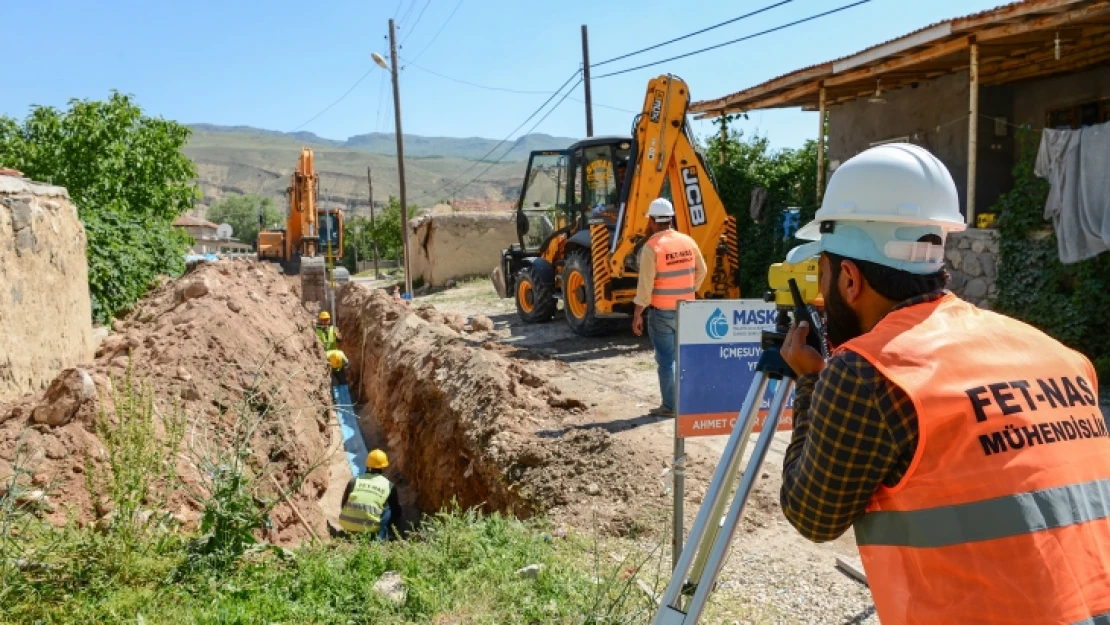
x: 324, y: 316
x: 337, y: 359
x: 377, y: 460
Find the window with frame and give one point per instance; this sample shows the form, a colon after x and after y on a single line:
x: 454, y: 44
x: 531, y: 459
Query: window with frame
x: 1081, y: 115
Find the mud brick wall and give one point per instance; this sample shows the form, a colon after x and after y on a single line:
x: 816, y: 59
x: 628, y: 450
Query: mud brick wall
x: 45, y: 310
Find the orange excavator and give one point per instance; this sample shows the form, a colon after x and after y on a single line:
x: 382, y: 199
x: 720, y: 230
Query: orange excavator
x: 312, y: 240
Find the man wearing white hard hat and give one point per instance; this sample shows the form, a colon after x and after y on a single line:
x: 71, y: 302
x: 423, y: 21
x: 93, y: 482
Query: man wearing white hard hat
x: 965, y: 448
x: 671, y: 270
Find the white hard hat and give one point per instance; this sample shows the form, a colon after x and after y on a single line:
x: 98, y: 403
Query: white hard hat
x: 878, y: 206
x: 661, y: 209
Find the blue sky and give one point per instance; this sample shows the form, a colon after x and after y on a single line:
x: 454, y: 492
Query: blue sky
x: 277, y: 64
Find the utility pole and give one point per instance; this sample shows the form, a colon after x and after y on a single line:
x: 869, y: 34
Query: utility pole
x: 586, y: 82
x: 400, y: 154
x: 370, y: 187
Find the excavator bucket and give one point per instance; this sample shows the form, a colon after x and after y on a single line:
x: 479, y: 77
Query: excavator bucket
x: 314, y: 287
x: 497, y: 276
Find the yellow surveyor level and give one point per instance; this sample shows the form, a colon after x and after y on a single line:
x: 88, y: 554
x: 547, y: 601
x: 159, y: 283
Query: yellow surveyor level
x: 807, y: 276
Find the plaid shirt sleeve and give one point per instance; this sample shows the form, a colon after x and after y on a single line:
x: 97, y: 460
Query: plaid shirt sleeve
x: 853, y: 431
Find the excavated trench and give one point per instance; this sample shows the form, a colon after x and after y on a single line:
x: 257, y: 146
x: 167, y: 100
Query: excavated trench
x: 457, y: 417
x: 433, y: 402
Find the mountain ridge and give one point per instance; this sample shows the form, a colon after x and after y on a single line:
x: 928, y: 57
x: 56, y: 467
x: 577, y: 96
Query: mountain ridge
x: 416, y: 146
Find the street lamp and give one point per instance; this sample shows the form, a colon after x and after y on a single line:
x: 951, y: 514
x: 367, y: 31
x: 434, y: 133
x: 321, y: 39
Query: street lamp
x: 400, y: 147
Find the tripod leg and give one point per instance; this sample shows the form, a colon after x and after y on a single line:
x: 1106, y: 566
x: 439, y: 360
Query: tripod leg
x: 719, y: 488
x: 736, y: 510
x: 719, y: 506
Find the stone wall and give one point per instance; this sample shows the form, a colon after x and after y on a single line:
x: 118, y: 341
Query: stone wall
x: 45, y: 310
x: 972, y: 260
x: 459, y: 245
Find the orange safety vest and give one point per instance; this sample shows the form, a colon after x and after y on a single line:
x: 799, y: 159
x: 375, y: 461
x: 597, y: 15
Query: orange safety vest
x: 1004, y: 513
x: 674, y: 269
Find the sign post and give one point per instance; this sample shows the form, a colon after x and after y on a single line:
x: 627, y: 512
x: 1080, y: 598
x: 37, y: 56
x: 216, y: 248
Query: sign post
x: 718, y: 350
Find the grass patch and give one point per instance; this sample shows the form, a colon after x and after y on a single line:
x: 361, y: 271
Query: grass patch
x: 459, y: 567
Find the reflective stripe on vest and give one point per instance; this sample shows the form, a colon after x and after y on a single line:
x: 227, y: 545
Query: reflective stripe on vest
x: 674, y: 269
x: 364, y: 507
x: 1004, y: 513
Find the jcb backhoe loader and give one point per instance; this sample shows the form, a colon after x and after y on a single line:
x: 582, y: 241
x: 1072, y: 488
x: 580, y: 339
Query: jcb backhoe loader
x: 582, y: 218
x: 312, y: 238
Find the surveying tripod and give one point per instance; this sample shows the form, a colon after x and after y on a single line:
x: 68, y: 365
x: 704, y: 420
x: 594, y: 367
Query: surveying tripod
x: 696, y: 571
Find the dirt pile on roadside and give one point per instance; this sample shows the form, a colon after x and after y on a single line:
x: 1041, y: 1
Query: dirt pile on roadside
x: 463, y: 418
x: 230, y: 345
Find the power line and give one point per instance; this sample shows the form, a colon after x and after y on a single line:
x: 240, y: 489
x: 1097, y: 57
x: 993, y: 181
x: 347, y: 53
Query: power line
x: 507, y: 137
x: 341, y: 98
x: 409, y: 63
x: 436, y: 36
x: 398, y: 9
x: 696, y: 32
x: 745, y: 38
x: 605, y: 106
x: 415, y: 24
x: 412, y: 5
x: 281, y: 135
x: 530, y: 130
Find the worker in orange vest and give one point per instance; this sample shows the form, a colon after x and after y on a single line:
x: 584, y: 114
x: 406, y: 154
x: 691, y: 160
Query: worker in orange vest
x: 671, y: 270
x: 966, y: 448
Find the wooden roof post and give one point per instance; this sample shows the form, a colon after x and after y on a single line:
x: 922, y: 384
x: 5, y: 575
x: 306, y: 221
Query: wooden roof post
x: 821, y: 145
x: 973, y: 133
x: 724, y: 136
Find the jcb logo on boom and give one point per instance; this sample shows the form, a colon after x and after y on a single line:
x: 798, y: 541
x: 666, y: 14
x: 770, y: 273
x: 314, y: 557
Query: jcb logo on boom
x: 657, y: 107
x: 693, y: 195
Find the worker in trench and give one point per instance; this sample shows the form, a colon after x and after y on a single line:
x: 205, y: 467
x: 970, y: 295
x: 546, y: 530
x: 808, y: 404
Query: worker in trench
x: 965, y: 448
x: 327, y: 332
x: 371, y: 505
x: 338, y: 363
x: 671, y: 270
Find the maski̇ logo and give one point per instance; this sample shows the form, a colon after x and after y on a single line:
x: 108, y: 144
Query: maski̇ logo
x: 717, y: 325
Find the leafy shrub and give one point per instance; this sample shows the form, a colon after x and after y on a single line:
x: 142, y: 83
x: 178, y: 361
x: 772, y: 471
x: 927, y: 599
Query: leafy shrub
x: 790, y: 180
x: 129, y: 179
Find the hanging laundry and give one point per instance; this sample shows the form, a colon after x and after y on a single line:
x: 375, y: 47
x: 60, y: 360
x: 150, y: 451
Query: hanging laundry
x: 1075, y: 163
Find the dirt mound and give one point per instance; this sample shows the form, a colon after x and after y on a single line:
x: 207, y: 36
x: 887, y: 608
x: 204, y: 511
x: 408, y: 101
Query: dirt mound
x: 227, y: 342
x: 464, y: 420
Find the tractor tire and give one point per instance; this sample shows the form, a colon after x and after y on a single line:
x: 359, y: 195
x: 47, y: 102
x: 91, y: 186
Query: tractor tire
x: 535, y: 299
x: 578, y: 297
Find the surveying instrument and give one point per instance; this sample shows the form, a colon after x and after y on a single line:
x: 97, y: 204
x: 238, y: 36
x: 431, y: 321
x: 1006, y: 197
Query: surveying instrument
x: 696, y: 571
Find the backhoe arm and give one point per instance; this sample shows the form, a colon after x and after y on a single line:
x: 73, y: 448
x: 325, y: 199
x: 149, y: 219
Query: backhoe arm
x: 664, y: 151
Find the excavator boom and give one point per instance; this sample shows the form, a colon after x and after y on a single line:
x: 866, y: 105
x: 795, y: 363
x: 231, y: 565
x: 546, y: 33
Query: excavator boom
x: 666, y: 153
x: 582, y: 218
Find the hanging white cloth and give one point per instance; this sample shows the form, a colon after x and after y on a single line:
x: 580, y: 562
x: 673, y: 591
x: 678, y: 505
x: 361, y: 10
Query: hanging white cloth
x: 1076, y: 164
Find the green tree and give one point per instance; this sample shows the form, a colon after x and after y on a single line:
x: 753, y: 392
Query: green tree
x: 357, y: 242
x: 241, y: 213
x: 129, y: 179
x: 387, y: 229
x: 790, y: 179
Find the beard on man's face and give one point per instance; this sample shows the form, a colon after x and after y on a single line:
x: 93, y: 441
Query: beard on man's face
x: 842, y: 324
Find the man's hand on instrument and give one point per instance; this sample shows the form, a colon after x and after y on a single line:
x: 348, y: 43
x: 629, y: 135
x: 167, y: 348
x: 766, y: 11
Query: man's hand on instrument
x: 802, y: 358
